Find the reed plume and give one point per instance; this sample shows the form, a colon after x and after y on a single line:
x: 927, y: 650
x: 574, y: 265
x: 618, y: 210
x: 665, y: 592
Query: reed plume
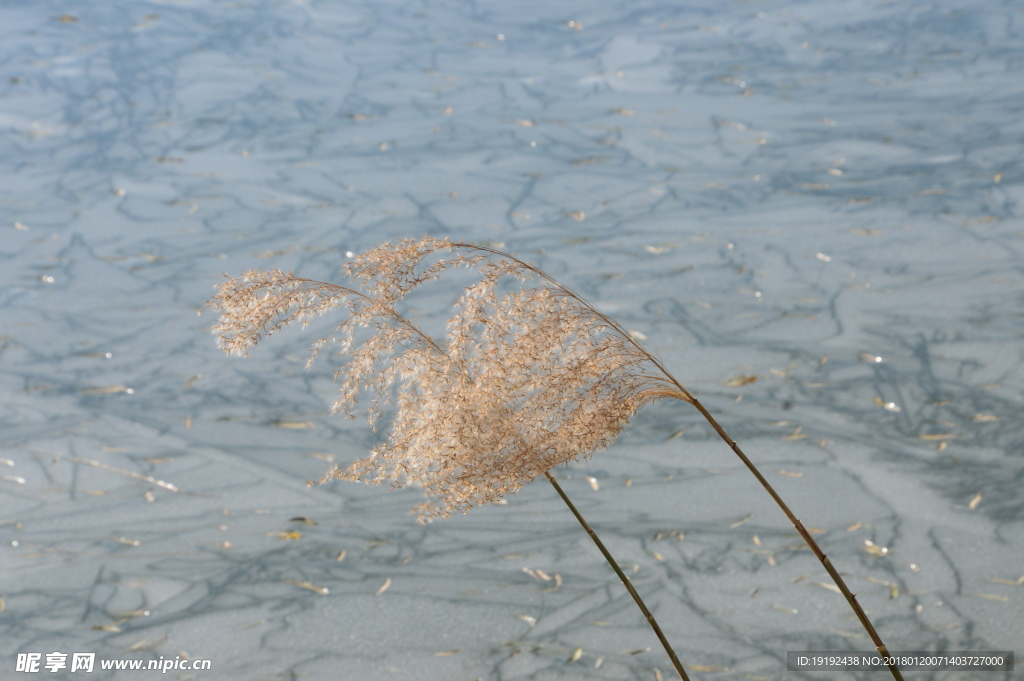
x: 527, y: 378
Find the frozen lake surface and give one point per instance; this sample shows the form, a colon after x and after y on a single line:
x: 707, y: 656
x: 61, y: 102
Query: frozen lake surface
x: 824, y: 196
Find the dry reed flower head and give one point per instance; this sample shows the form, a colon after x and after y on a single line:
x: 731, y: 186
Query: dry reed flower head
x: 528, y: 378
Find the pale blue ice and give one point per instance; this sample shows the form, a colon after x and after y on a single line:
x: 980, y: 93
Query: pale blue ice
x: 826, y: 196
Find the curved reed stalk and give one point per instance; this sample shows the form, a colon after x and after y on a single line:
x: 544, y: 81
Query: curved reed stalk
x: 850, y: 597
x: 623, y: 578
x: 529, y: 378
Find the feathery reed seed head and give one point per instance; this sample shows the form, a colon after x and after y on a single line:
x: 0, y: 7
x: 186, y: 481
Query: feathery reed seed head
x: 528, y: 378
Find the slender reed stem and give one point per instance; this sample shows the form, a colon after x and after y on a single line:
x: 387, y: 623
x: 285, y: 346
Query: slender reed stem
x: 851, y: 598
x: 625, y: 580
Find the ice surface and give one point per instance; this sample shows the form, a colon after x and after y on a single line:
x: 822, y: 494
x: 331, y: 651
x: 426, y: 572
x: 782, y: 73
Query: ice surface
x: 824, y: 195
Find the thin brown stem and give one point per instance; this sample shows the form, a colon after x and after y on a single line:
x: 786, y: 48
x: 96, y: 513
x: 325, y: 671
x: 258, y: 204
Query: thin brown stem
x: 625, y: 580
x: 851, y: 598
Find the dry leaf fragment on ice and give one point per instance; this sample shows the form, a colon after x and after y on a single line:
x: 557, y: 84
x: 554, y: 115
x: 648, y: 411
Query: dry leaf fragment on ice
x: 108, y: 390
x: 290, y: 535
x: 127, y: 542
x: 888, y: 406
x: 825, y: 585
x: 1014, y: 582
x: 532, y: 573
x: 146, y: 644
x: 745, y: 519
x: 894, y: 590
x: 874, y: 549
x: 294, y: 425
x: 322, y: 590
